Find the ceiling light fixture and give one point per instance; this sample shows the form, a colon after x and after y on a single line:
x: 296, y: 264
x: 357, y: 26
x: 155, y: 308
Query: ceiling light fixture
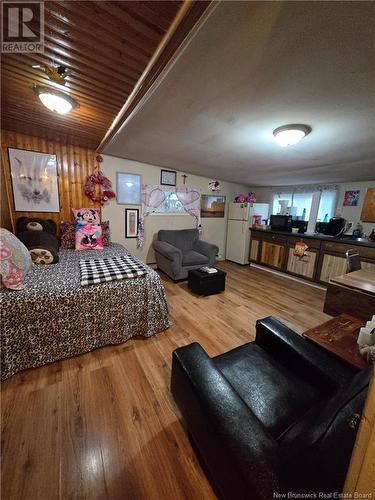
x: 288, y: 135
x: 55, y: 100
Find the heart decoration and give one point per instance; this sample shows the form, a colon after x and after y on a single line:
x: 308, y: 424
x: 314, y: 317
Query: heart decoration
x: 188, y: 197
x: 153, y: 199
x: 194, y: 212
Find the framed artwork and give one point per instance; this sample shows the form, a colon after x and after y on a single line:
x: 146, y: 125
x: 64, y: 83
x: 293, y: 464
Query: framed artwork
x: 128, y: 188
x: 351, y: 198
x: 131, y: 222
x: 368, y: 209
x: 212, y: 206
x: 34, y: 181
x: 168, y: 178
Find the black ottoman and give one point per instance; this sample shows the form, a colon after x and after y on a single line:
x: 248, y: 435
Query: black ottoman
x: 206, y: 283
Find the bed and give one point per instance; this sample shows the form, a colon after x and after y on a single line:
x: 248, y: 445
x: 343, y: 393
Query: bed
x: 56, y: 318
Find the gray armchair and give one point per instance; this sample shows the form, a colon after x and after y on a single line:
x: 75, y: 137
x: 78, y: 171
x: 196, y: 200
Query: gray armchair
x: 179, y: 251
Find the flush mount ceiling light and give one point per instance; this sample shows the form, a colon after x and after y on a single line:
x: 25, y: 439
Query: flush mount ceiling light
x: 288, y: 135
x: 55, y: 100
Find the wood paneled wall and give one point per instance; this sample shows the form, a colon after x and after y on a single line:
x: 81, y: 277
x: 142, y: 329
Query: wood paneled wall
x: 360, y: 479
x: 5, y: 213
x: 74, y: 164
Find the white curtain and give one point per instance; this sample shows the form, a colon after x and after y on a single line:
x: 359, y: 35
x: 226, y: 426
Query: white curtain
x: 153, y: 198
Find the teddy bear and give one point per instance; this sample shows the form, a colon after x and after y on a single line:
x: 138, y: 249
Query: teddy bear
x: 36, y: 224
x: 39, y: 237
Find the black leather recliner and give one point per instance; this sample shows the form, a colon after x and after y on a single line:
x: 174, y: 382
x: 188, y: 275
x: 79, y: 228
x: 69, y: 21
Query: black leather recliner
x: 275, y: 415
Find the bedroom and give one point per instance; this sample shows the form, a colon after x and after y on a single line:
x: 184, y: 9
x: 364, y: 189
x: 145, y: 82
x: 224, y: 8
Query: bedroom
x: 91, y: 406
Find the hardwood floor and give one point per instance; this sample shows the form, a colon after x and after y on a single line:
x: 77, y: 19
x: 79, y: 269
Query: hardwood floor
x: 104, y: 426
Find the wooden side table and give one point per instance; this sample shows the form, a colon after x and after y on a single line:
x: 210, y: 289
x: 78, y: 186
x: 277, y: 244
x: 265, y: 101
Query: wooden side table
x: 339, y: 336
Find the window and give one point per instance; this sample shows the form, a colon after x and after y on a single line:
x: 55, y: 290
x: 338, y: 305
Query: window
x: 171, y: 204
x: 302, y: 205
x: 276, y: 206
x: 300, y: 201
x: 327, y: 206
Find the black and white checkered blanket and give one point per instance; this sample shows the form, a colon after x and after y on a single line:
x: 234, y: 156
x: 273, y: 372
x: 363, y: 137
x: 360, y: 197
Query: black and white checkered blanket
x: 112, y: 268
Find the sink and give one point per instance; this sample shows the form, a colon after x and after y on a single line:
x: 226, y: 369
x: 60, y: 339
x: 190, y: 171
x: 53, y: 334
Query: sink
x: 350, y: 238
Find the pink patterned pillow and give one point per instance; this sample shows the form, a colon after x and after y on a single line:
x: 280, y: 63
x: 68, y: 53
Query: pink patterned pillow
x: 15, y: 261
x: 106, y: 233
x: 86, y: 215
x: 68, y: 234
x: 89, y: 237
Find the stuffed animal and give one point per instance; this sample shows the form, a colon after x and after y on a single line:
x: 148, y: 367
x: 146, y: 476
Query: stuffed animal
x: 39, y: 237
x: 245, y: 198
x: 43, y: 247
x: 36, y: 224
x: 241, y: 198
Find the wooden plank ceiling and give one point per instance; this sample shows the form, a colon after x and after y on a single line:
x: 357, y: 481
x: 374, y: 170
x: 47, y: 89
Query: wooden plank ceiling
x: 106, y: 45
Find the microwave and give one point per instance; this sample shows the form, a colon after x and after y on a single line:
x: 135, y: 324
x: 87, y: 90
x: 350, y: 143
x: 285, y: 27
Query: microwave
x: 281, y: 223
x: 335, y: 227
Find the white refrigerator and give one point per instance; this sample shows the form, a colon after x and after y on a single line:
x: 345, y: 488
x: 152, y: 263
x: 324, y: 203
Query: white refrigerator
x: 240, y: 218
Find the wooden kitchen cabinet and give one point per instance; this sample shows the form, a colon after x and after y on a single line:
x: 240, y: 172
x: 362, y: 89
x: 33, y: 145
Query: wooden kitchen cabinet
x: 332, y: 265
x: 335, y: 265
x: 302, y: 266
x: 254, y: 250
x: 272, y: 254
x: 333, y: 259
x: 324, y: 259
x: 368, y: 265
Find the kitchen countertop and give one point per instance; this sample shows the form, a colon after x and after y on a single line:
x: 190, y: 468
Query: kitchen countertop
x: 317, y: 236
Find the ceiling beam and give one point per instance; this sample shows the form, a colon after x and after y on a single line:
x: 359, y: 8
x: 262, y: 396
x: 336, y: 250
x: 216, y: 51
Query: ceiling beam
x: 190, y: 16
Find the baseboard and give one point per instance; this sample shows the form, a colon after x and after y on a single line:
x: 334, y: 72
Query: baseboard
x: 288, y: 276
x: 237, y: 263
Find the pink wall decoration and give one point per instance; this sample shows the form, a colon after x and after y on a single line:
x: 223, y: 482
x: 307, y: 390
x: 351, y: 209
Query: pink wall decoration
x: 153, y: 196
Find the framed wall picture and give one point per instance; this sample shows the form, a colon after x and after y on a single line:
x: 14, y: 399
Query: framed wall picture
x: 351, y: 198
x: 368, y: 208
x: 212, y: 206
x: 131, y: 222
x: 128, y: 188
x: 34, y: 181
x: 168, y: 178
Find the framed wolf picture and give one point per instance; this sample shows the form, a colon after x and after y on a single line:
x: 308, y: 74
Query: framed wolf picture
x: 34, y: 180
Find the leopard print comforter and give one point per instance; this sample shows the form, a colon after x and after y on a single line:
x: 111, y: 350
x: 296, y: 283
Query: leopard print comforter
x: 55, y: 318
